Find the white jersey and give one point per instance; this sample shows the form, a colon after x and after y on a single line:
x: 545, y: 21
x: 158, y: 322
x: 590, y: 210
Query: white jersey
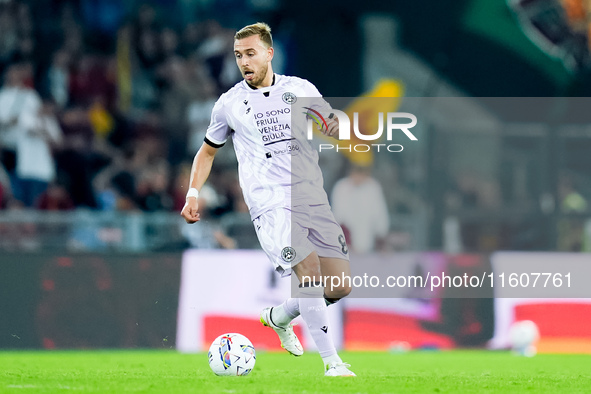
x: 277, y: 165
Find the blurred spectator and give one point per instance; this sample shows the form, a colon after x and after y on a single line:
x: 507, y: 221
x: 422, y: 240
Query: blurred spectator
x: 150, y: 133
x: 76, y: 122
x: 359, y: 206
x: 400, y: 197
x: 24, y: 18
x: 101, y: 120
x: 229, y: 192
x: 463, y: 192
x: 25, y: 51
x: 35, y: 164
x: 72, y: 30
x: 146, y: 19
x: 169, y: 40
x: 55, y: 198
x: 57, y: 79
x: 90, y: 81
x: 572, y: 203
x: 191, y: 39
x: 176, y: 95
x: 78, y: 163
x: 470, y: 190
x: 571, y: 200
x: 5, y: 189
x: 115, y: 185
x: 199, y: 110
x: 18, y: 103
x: 145, y: 39
x: 148, y: 50
x: 16, y: 33
x: 216, y: 52
x: 8, y: 34
x: 463, y: 195
x: 152, y: 188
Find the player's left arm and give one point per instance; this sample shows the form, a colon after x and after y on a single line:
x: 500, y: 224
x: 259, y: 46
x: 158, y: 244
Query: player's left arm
x: 332, y: 121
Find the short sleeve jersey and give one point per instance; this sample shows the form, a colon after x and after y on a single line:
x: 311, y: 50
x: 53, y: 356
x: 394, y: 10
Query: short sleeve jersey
x: 277, y: 165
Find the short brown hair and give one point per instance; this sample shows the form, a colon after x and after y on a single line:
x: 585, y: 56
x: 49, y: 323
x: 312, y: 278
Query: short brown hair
x: 260, y: 28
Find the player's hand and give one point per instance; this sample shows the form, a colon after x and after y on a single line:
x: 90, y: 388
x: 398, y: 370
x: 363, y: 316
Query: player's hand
x: 333, y: 127
x: 189, y: 211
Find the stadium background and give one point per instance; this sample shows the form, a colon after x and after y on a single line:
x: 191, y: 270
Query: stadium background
x: 95, y: 261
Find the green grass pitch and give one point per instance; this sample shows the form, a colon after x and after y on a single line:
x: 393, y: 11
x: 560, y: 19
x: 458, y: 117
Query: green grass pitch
x: 171, y: 372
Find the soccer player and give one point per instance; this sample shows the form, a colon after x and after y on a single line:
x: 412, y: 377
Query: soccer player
x: 282, y: 186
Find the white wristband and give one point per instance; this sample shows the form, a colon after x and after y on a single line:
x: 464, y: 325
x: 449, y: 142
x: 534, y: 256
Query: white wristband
x: 193, y: 193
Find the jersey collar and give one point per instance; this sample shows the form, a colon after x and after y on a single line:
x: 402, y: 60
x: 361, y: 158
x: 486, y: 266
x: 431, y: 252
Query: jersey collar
x: 265, y: 89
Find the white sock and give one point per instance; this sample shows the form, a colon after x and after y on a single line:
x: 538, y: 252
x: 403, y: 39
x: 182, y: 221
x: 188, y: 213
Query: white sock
x: 286, y: 312
x: 315, y: 314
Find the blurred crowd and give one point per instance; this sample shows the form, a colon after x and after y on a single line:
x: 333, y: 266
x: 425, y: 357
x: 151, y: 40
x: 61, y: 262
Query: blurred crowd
x: 103, y: 105
x: 104, y: 108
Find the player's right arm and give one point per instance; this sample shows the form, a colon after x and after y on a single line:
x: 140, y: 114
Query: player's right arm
x: 199, y: 173
x: 216, y: 136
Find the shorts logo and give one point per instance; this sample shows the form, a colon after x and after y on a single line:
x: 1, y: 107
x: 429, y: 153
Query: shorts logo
x: 289, y: 98
x: 288, y: 254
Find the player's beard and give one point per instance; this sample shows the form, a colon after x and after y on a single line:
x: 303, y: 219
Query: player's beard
x: 261, y: 76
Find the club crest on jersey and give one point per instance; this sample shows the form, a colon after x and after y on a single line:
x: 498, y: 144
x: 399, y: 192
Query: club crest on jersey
x: 288, y: 254
x: 289, y: 98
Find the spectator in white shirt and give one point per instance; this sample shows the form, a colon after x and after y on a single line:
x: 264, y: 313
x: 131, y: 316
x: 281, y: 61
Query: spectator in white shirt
x: 359, y: 205
x: 35, y: 164
x: 16, y: 102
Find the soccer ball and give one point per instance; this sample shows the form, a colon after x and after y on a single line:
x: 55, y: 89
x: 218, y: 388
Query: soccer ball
x: 231, y: 355
x: 523, y: 336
